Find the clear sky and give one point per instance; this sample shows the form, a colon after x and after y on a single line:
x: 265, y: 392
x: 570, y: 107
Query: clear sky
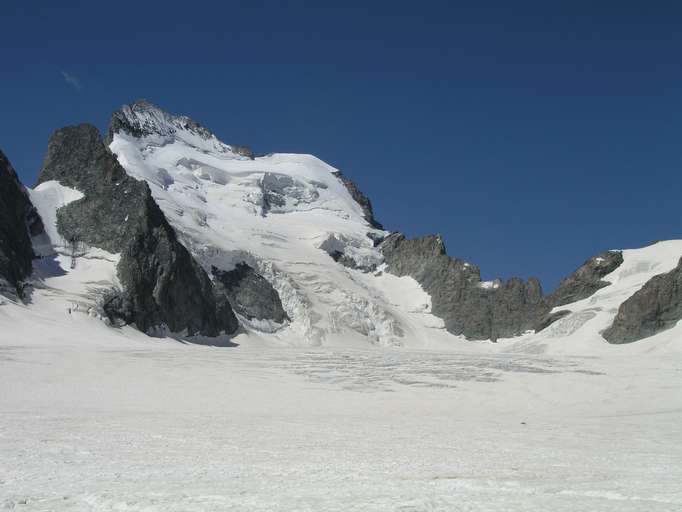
x: 531, y: 135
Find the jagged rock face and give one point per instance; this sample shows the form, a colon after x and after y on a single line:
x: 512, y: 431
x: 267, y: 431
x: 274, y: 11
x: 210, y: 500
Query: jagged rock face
x: 587, y: 279
x: 18, y: 221
x: 250, y: 294
x: 468, y: 307
x: 162, y: 283
x: 655, y: 307
x: 279, y: 190
x: 142, y: 119
x: 115, y: 206
x: 359, y: 198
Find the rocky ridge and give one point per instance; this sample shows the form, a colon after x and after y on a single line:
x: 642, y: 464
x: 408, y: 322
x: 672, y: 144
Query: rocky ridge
x: 143, y: 119
x: 359, y: 198
x: 587, y: 279
x: 469, y: 307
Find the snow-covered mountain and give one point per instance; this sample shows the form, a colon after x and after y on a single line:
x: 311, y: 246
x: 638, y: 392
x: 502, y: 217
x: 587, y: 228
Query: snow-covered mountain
x: 165, y: 227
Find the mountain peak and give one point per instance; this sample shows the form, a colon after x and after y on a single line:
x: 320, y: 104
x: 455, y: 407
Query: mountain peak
x: 144, y: 119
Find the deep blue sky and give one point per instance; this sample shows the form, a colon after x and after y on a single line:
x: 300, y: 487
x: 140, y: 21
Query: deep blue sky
x: 531, y: 135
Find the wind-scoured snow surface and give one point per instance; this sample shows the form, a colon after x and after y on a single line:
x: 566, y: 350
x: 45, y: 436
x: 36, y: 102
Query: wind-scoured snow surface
x: 101, y: 419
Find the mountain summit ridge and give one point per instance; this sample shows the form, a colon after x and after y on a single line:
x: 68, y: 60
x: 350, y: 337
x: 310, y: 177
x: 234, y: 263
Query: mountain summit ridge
x: 144, y: 119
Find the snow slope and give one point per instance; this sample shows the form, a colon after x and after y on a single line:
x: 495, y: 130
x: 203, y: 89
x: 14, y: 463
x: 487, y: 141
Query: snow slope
x: 112, y: 420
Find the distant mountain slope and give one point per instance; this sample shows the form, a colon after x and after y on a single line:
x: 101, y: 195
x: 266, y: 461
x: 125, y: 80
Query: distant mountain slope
x: 170, y: 229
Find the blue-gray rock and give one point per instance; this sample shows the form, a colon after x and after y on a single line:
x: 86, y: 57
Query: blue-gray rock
x: 161, y: 282
x: 142, y: 119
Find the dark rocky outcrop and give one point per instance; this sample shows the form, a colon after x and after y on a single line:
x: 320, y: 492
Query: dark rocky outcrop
x: 359, y: 198
x: 250, y: 294
x: 655, y: 307
x: 350, y: 252
x: 161, y: 282
x: 587, y: 279
x: 467, y: 306
x: 18, y: 221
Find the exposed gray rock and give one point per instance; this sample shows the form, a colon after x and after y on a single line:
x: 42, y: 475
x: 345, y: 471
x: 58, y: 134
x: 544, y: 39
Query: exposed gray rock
x: 359, y: 198
x: 467, y: 306
x: 587, y: 279
x: 250, y: 294
x: 655, y: 307
x: 18, y: 221
x: 142, y: 119
x: 376, y: 238
x: 162, y: 283
x: 517, y: 307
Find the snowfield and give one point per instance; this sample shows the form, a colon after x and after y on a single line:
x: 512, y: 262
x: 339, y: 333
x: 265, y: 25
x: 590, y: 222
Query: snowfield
x: 101, y: 419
